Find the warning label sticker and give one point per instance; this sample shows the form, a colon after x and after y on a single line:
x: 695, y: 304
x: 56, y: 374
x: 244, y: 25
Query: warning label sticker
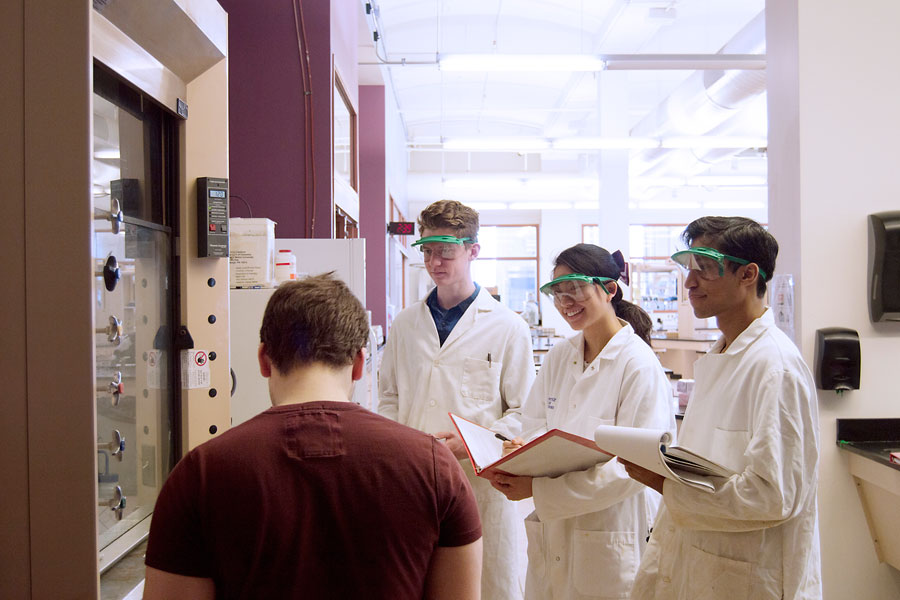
x: 194, y: 369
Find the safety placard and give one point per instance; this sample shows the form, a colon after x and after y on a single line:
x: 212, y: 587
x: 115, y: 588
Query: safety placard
x: 194, y: 369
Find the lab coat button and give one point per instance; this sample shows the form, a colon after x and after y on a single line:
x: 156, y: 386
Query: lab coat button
x: 432, y: 403
x: 557, y: 559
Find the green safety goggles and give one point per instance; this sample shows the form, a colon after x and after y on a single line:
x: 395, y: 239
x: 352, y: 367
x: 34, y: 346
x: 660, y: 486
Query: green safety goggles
x: 573, y: 286
x: 445, y: 246
x: 709, y: 263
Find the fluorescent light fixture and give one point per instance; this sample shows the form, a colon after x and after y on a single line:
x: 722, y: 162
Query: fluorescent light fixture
x: 727, y: 180
x: 724, y: 205
x: 605, y: 143
x: 497, y: 144
x: 541, y: 205
x: 484, y: 184
x: 665, y: 204
x: 713, y: 141
x: 488, y: 205
x: 110, y: 153
x: 483, y: 63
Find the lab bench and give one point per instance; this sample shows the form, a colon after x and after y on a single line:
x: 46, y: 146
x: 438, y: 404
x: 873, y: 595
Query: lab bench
x: 869, y: 443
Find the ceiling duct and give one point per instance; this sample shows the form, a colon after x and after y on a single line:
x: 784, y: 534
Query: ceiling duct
x: 704, y: 101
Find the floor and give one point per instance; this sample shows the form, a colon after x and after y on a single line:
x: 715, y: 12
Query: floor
x: 122, y: 578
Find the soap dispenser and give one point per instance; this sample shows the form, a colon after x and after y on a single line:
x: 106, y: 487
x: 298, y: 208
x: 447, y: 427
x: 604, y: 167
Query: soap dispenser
x: 837, y: 359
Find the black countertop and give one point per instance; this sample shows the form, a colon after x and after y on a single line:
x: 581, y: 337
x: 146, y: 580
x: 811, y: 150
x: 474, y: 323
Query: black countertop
x: 872, y: 438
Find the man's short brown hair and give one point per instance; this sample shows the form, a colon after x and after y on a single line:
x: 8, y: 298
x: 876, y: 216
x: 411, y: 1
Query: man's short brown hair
x: 450, y: 214
x: 313, y: 320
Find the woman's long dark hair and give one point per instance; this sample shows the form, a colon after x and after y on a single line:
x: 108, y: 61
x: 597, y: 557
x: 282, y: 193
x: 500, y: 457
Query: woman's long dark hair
x: 595, y: 261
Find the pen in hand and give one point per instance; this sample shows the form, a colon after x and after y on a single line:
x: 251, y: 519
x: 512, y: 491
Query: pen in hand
x: 502, y: 437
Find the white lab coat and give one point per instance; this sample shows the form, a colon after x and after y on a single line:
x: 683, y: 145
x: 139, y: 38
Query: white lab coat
x: 484, y: 369
x: 754, y: 410
x: 589, y: 528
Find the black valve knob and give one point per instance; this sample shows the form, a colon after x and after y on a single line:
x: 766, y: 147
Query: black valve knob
x: 111, y: 273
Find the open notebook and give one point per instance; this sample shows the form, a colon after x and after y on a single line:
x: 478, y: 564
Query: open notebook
x: 653, y: 450
x: 550, y: 455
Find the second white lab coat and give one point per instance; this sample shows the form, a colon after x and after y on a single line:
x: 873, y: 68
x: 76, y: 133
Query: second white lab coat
x: 589, y: 528
x: 753, y: 410
x: 483, y: 370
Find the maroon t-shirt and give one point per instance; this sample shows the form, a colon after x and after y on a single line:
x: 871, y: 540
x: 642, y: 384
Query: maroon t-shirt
x: 315, y: 500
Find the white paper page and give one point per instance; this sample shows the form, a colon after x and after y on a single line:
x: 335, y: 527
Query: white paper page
x: 692, y: 461
x: 483, y: 445
x: 551, y: 458
x: 639, y: 446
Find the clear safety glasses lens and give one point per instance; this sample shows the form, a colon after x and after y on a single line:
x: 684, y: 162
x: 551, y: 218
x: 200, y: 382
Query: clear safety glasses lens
x: 573, y: 287
x: 572, y: 291
x: 441, y: 250
x: 708, y: 263
x: 704, y: 266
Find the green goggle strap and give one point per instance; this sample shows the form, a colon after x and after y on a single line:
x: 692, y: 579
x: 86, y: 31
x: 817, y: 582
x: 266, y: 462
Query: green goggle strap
x: 445, y: 239
x: 601, y: 281
x: 717, y: 256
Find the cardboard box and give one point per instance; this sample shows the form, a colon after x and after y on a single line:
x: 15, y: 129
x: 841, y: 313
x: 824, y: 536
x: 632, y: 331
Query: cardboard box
x: 252, y: 257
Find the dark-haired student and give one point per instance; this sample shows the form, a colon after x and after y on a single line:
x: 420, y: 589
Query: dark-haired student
x: 753, y: 409
x: 589, y: 528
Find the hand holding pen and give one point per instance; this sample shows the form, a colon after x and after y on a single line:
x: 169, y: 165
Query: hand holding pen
x: 509, y: 445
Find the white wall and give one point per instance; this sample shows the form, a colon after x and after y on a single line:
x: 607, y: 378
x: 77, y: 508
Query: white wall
x: 834, y: 125
x: 396, y: 154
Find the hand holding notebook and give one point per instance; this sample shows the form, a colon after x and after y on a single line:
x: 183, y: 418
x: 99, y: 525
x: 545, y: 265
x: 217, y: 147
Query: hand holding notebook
x: 550, y: 455
x: 653, y: 450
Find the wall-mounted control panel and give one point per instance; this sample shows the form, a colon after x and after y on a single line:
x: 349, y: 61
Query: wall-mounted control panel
x: 212, y: 217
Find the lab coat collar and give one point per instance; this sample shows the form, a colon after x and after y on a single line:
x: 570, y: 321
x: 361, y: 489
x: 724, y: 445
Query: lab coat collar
x: 483, y: 304
x: 613, y: 347
x: 755, y: 329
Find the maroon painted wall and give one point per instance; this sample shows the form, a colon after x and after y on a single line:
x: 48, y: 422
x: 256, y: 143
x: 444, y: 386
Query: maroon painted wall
x: 267, y: 124
x: 373, y: 198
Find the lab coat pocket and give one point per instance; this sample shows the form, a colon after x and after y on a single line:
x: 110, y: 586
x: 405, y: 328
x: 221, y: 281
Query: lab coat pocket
x: 534, y: 533
x: 480, y: 379
x: 604, y: 563
x: 730, y: 446
x: 713, y: 576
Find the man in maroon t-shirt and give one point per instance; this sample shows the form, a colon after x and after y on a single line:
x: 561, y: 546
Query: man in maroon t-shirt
x: 316, y: 497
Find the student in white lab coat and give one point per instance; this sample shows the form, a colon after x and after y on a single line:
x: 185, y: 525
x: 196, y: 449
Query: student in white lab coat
x: 589, y: 528
x: 463, y: 352
x: 753, y: 409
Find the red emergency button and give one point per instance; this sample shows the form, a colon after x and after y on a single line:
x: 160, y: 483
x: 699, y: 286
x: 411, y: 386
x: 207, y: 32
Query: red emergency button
x: 212, y: 226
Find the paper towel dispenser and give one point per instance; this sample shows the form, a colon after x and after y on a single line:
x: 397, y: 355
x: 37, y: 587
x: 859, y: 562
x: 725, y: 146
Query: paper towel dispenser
x: 884, y: 266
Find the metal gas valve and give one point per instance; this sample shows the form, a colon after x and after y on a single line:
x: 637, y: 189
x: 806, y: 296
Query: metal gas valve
x: 115, y: 388
x: 116, y: 447
x: 113, y: 331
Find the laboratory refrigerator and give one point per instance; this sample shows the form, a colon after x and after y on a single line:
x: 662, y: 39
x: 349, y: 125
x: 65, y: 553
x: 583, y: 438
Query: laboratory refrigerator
x: 347, y: 258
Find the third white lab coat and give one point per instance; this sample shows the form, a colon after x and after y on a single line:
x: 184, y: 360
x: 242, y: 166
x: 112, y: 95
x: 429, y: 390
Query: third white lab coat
x: 483, y: 370
x: 589, y: 528
x: 753, y: 409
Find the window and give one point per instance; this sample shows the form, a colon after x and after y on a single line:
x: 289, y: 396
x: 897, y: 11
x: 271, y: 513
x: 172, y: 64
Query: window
x: 508, y: 262
x: 655, y: 241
